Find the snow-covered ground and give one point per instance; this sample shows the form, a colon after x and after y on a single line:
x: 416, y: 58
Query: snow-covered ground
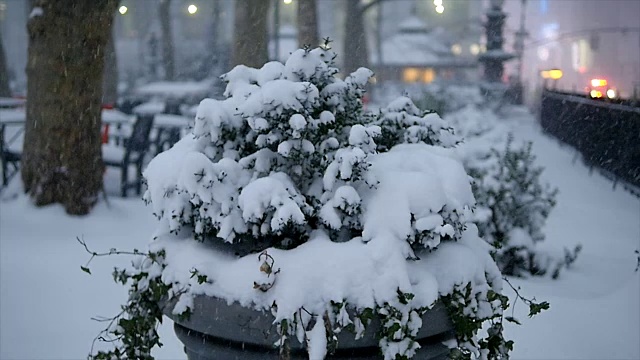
x: 46, y: 301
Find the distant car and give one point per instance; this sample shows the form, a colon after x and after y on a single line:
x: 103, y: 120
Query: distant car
x: 600, y: 89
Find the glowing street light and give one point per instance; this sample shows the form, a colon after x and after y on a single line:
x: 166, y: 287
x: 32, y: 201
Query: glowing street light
x: 192, y: 9
x: 439, y: 9
x: 437, y: 2
x: 123, y: 10
x: 287, y: 2
x: 553, y: 74
x: 456, y: 49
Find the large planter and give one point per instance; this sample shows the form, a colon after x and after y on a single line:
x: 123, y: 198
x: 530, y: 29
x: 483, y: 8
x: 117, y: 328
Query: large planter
x: 217, y: 330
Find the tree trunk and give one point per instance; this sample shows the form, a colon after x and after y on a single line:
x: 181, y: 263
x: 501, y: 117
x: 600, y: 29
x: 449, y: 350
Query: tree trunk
x: 308, y: 23
x: 4, y: 73
x: 110, y: 84
x: 168, y: 52
x: 355, y: 40
x: 250, y: 37
x: 215, y: 30
x: 62, y: 160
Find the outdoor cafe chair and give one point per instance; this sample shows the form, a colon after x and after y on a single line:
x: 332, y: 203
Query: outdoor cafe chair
x: 169, y: 129
x: 133, y: 153
x: 9, y: 157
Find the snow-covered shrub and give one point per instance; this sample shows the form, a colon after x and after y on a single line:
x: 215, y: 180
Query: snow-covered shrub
x: 327, y: 208
x: 512, y: 200
x: 447, y: 98
x: 441, y: 98
x: 509, y: 186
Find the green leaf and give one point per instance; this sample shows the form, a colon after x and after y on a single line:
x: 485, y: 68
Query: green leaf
x: 535, y: 309
x: 85, y: 270
x: 512, y: 320
x: 202, y: 279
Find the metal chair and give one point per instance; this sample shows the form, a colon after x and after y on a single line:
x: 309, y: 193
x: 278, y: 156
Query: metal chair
x: 8, y: 157
x: 133, y: 153
x: 169, y: 130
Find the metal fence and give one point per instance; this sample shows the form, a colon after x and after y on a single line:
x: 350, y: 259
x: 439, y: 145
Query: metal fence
x: 606, y: 134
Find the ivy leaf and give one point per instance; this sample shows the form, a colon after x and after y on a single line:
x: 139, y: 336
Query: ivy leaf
x: 512, y: 320
x: 456, y: 354
x: 85, y: 270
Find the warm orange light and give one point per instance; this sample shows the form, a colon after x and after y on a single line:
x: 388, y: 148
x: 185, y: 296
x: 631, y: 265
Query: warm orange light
x: 598, y: 82
x: 410, y: 75
x: 428, y: 76
x: 545, y: 74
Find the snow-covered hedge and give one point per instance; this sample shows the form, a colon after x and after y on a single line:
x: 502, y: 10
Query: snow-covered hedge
x: 513, y: 201
x: 329, y: 207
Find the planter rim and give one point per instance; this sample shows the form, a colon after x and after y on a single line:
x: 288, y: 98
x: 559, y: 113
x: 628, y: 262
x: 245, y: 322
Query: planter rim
x: 233, y: 322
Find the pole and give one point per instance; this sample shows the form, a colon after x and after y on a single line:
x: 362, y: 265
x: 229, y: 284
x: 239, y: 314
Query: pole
x: 276, y: 30
x: 520, y: 36
x: 379, y: 34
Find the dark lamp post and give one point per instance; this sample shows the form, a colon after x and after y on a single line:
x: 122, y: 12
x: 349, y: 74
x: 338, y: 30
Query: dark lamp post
x: 494, y: 58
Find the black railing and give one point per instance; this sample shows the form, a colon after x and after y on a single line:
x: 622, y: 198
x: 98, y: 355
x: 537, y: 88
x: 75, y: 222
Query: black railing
x: 607, y: 134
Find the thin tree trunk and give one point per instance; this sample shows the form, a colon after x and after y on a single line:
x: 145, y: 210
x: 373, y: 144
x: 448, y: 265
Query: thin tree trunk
x: 250, y: 37
x: 355, y: 40
x: 215, y: 29
x: 62, y: 160
x: 4, y: 73
x: 214, y: 39
x: 168, y: 52
x: 110, y: 83
x: 308, y: 23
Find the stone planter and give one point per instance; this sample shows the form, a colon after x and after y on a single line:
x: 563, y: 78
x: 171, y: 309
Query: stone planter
x: 220, y: 331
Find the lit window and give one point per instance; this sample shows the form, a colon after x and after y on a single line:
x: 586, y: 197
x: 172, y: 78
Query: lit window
x: 410, y: 75
x: 428, y: 76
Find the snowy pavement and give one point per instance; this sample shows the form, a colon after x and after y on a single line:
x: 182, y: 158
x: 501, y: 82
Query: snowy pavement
x: 595, y: 306
x: 46, y: 301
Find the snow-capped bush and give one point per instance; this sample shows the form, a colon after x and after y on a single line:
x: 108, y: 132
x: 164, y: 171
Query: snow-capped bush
x: 327, y: 207
x: 512, y: 200
x: 509, y: 186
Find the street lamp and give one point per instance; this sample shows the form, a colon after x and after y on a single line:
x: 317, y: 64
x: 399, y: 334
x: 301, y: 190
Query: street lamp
x: 494, y: 58
x: 521, y: 35
x: 123, y: 10
x: 192, y: 9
